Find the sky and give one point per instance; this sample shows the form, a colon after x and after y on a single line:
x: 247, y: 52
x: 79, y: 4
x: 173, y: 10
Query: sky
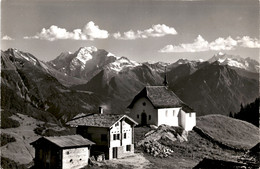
x: 142, y: 30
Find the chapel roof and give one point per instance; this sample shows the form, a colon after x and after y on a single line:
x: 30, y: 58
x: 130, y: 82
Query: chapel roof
x: 161, y: 97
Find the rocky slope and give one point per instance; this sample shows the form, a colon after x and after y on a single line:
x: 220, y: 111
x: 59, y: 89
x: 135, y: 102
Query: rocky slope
x: 216, y: 89
x: 28, y: 87
x: 209, y: 87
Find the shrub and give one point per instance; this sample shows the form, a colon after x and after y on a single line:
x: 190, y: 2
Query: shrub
x: 5, y: 138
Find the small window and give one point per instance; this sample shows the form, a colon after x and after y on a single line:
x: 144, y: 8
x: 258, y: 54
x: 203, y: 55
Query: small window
x: 128, y: 147
x: 117, y: 124
x: 190, y: 114
x: 138, y: 116
x: 173, y: 113
x: 114, y: 136
x: 144, y: 104
x: 150, y: 117
x: 103, y: 137
x: 124, y: 135
x: 166, y: 113
x: 118, y: 136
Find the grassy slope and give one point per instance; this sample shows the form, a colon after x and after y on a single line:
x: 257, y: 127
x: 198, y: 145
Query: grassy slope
x: 233, y: 132
x: 230, y: 131
x: 20, y: 151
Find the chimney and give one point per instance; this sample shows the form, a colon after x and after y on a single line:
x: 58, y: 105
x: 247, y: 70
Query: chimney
x: 101, y: 110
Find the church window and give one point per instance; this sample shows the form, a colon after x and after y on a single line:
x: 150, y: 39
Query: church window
x: 144, y: 103
x: 150, y: 117
x: 138, y: 116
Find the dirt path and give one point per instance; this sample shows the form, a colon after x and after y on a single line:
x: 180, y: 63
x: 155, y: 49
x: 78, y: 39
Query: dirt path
x: 137, y: 161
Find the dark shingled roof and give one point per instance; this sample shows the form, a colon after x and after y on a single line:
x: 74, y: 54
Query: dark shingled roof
x: 99, y: 120
x: 161, y: 97
x: 66, y: 141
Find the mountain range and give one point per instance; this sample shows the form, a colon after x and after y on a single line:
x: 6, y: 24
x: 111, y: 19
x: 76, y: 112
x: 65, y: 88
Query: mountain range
x: 82, y: 81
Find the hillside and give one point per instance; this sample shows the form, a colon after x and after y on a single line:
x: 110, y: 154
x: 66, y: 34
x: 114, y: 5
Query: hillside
x: 97, y: 77
x: 26, y: 87
x: 187, y: 154
x: 216, y: 89
x: 230, y: 131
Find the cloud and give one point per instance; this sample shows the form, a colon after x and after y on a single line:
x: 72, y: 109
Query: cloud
x: 93, y: 31
x: 200, y: 45
x: 7, y: 38
x: 223, y: 44
x: 248, y: 42
x: 158, y: 30
x: 89, y: 32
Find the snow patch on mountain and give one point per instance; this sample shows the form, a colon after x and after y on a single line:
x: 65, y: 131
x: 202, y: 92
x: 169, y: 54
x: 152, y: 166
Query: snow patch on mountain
x: 235, y: 61
x: 84, y: 54
x: 200, y: 60
x: 122, y: 63
x: 110, y: 54
x: 20, y: 55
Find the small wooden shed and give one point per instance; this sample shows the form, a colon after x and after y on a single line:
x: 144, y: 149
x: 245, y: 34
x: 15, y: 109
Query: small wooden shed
x: 61, y: 152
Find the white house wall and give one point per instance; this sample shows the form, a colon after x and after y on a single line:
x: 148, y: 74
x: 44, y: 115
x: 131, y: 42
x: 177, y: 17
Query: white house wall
x: 168, y: 116
x: 128, y: 130
x: 75, y: 158
x: 115, y: 130
x: 187, y: 120
x: 122, y: 142
x: 139, y: 108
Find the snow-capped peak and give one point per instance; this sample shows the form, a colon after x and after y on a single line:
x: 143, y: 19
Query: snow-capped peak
x: 84, y: 54
x: 221, y: 53
x: 235, y: 61
x: 122, y: 63
x: 200, y: 60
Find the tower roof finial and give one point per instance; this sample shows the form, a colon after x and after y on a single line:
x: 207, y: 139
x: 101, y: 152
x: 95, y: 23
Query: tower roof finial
x: 165, y: 82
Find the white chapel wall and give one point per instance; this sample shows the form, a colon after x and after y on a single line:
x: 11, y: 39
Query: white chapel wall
x: 168, y: 116
x: 187, y: 120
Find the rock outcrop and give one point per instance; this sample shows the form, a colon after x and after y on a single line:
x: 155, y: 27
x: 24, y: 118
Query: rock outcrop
x: 156, y: 141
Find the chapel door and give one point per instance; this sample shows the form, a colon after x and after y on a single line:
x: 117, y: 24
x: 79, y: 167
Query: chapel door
x: 143, y: 119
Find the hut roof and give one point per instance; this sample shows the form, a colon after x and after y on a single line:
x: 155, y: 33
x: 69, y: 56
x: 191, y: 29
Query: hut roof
x: 65, y: 141
x: 99, y: 120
